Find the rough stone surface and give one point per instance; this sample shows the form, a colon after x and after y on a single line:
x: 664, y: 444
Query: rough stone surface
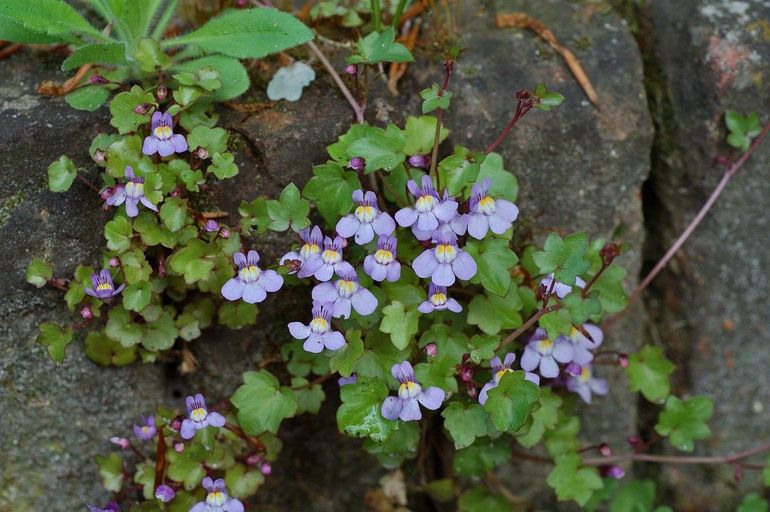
x: 578, y: 168
x: 714, y: 56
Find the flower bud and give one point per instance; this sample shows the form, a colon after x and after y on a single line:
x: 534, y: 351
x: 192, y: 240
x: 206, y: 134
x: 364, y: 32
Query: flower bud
x: 97, y: 80
x: 351, y: 69
x: 178, y: 446
x: 86, y: 312
x: 615, y: 472
x: 605, y: 450
x: 623, y: 360
x: 419, y: 161
x: 609, y: 252
x: 202, y: 153
x: 114, y: 262
x: 573, y: 369
x: 211, y: 226
x: 466, y: 373
x: 164, y: 493
x: 176, y: 423
x: 473, y: 393
x: 254, y: 460
x: 633, y: 440
x: 431, y: 349
x: 292, y: 266
x: 98, y: 156
x: 265, y: 468
x: 161, y: 92
x: 121, y: 441
x: 224, y: 233
x: 142, y: 108
x: 357, y: 163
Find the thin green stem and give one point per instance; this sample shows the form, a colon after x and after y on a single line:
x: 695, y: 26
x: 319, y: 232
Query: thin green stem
x: 399, y: 11
x: 376, y: 15
x: 168, y: 12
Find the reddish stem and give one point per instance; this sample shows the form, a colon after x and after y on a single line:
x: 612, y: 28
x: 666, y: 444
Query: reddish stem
x: 678, y: 459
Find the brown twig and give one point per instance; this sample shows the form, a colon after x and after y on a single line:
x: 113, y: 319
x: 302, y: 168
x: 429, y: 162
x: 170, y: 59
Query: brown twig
x: 398, y: 69
x: 678, y: 459
x: 521, y: 330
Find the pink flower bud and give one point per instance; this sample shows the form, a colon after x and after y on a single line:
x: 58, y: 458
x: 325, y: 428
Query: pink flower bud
x: 161, y: 92
x: 176, y: 423
x: 98, y: 156
x: 97, y: 80
x: 605, y: 450
x: 164, y: 493
x: 357, y: 163
x: 419, y: 161
x: 351, y: 69
x: 633, y: 440
x: 86, y: 312
x: 265, y: 468
x: 202, y: 153
x: 431, y: 349
x: 254, y: 460
x: 178, y: 446
x: 623, y: 360
x: 615, y: 472
x: 121, y: 441
x: 142, y: 108
x: 466, y: 373
x: 224, y: 233
x: 114, y: 262
x: 473, y: 393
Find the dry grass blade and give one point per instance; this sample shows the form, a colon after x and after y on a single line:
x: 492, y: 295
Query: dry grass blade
x: 398, y: 69
x: 521, y: 20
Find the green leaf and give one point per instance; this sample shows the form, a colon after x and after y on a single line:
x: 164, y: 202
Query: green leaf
x: 237, y: 315
x: 465, y: 422
x: 122, y: 109
x: 111, y: 471
x: 331, y: 189
x: 742, y: 128
x: 420, y: 133
x: 492, y: 314
x: 510, y: 403
x: 481, y: 499
x: 104, y: 351
x: 580, y: 308
x: 495, y: 260
x: 214, y: 140
x: 290, y: 210
x: 461, y: 169
x: 232, y: 74
x: 752, y: 502
x: 309, y: 398
x: 399, y: 323
x: 262, y: 403
x: 149, y: 55
x: 193, y: 261
x: 564, y: 257
x: 223, y: 166
x: 381, y: 148
x: 241, y: 482
x: 88, y: 98
x: 38, y: 273
x: 173, y: 213
x: 544, y: 417
x: 103, y: 53
x: 52, y: 17
x: 137, y: 296
x: 634, y: 496
x: 18, y: 33
x: 121, y: 329
x: 504, y: 184
x: 563, y: 438
x: 254, y: 215
x: 432, y: 98
x: 685, y: 421
x: 548, y: 99
x: 61, y: 174
x: 152, y: 232
x: 247, y: 33
x: 77, y: 287
x: 359, y: 415
x: 401, y: 444
x: 556, y: 323
x: 482, y: 347
x: 380, y: 47
x: 55, y: 338
x: 344, y: 360
x: 608, y: 288
x: 571, y: 482
x: 648, y: 372
x: 482, y: 456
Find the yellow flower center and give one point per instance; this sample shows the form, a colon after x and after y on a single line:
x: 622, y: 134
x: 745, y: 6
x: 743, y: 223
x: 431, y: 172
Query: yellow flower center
x: 438, y: 299
x: 103, y: 286
x: 545, y: 346
x: 163, y: 132
x: 250, y: 274
x: 499, y: 374
x: 446, y: 253
x: 331, y: 256
x: 198, y: 414
x: 365, y: 214
x: 346, y: 289
x: 308, y: 250
x: 585, y: 374
x: 215, y: 498
x: 409, y: 389
x: 487, y: 205
x: 425, y: 203
x: 383, y: 256
x: 134, y: 189
x: 319, y: 325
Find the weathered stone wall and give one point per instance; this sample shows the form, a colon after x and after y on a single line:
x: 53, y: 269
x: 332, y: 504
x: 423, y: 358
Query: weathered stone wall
x: 578, y: 168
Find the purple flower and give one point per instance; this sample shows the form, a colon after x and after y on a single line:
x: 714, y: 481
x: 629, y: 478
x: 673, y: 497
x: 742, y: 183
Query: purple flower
x: 439, y: 301
x: 382, y: 264
x: 560, y: 289
x: 366, y: 220
x: 445, y: 261
x: 132, y: 193
x: 312, y: 245
x: 147, y: 431
x: 325, y: 264
x: 102, y: 286
x: 199, y: 417
x: 487, y: 213
x: 109, y: 507
x: 164, y: 493
x: 615, y: 472
x: 251, y: 283
x: 217, y: 499
x: 457, y: 225
x: 419, y: 161
x: 585, y: 384
x: 429, y: 210
x: 346, y: 292
x: 410, y: 394
x: 545, y: 353
x: 211, y: 225
x: 582, y: 345
x: 344, y: 381
x: 318, y: 333
x: 357, y: 163
x: 162, y: 139
x: 498, y: 370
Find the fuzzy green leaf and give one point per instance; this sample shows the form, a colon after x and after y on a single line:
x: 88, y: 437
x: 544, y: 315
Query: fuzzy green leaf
x: 102, y: 53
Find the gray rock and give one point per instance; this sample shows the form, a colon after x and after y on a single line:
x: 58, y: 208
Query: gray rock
x: 712, y: 302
